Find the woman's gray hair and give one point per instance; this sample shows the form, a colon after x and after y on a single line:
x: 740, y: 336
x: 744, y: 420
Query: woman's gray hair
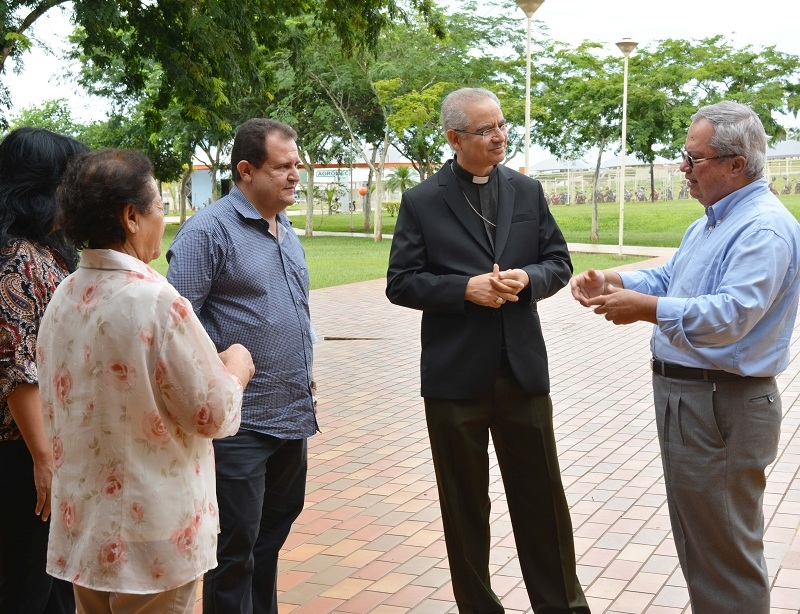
x: 738, y: 131
x: 455, y: 105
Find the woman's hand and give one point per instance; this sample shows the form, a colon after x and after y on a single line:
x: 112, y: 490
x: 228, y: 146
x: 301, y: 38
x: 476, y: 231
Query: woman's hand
x: 26, y: 409
x: 237, y: 360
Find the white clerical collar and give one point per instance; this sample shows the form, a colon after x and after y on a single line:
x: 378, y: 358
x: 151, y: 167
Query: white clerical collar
x: 467, y: 176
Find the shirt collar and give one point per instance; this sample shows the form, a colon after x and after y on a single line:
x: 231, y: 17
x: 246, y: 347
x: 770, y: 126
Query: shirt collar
x: 111, y: 259
x: 724, y: 205
x: 246, y: 209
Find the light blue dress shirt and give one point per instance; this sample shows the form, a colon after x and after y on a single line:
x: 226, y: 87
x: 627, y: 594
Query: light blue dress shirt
x: 249, y: 287
x: 728, y: 298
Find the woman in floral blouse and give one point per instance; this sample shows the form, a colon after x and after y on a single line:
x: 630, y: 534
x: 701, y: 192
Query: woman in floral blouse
x: 132, y: 391
x: 33, y: 260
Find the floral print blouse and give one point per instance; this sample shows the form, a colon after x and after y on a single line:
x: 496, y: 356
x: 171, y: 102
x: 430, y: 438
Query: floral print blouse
x: 132, y: 392
x: 29, y: 274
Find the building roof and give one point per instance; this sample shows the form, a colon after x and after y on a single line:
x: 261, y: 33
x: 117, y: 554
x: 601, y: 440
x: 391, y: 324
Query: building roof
x: 784, y: 149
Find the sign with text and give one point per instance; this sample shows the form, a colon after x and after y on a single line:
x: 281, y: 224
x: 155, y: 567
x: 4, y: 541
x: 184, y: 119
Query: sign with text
x: 332, y: 174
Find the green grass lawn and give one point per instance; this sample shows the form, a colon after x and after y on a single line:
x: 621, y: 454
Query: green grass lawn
x: 333, y: 261
x: 659, y: 224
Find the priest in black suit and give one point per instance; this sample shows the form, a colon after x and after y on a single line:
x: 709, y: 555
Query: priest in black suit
x: 475, y: 249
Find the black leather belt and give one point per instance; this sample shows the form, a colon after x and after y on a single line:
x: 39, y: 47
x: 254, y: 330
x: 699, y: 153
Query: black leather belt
x: 678, y: 372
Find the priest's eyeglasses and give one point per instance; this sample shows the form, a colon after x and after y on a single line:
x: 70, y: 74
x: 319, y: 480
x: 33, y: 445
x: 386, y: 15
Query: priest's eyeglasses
x: 500, y: 130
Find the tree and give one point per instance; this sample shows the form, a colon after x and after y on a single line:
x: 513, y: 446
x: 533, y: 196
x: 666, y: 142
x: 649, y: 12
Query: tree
x: 53, y: 115
x: 402, y: 179
x: 201, y: 121
x: 580, y: 104
x: 415, y: 69
x: 299, y: 101
x: 166, y: 151
x: 194, y: 41
x: 392, y: 97
x: 345, y: 83
x: 677, y: 77
x: 579, y: 107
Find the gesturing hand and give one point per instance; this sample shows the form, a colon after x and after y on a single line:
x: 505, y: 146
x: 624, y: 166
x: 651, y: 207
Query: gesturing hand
x: 622, y: 306
x: 587, y: 285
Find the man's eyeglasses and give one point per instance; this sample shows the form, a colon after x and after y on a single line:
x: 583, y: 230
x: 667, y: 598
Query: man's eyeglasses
x: 692, y: 161
x: 501, y: 129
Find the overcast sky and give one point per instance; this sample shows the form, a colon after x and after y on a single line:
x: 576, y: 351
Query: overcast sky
x: 774, y: 22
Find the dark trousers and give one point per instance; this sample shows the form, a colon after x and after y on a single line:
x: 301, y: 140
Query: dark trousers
x: 261, y: 483
x: 25, y: 587
x: 522, y: 432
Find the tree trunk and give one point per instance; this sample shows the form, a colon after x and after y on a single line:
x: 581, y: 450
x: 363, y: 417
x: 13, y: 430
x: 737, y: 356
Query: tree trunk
x: 595, y: 234
x: 368, y: 197
x: 308, y: 162
x: 652, y: 185
x: 378, y: 230
x: 184, y: 196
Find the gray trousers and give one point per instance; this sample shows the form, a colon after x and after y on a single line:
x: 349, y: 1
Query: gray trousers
x: 716, y: 441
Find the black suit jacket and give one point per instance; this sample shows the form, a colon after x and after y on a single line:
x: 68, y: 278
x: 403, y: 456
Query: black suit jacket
x: 438, y: 244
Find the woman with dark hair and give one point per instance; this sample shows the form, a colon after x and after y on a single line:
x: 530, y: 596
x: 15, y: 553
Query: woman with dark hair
x: 33, y: 260
x: 133, y: 391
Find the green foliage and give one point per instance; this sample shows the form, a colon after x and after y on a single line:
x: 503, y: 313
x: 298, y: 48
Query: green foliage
x: 581, y: 93
x: 415, y: 69
x: 352, y: 76
x: 402, y: 178
x: 53, y: 115
x: 200, y: 46
x: 668, y: 83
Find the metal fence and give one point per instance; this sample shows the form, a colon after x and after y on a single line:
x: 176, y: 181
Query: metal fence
x: 571, y: 187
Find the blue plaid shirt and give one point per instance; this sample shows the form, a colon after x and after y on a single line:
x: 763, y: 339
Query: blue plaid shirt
x: 248, y: 287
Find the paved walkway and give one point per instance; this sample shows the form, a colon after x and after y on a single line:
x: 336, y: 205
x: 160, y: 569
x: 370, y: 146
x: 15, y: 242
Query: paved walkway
x: 370, y: 537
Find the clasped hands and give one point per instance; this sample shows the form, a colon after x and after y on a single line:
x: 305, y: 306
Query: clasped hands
x: 496, y: 288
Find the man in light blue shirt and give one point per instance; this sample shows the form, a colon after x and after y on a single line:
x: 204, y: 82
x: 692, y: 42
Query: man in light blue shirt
x: 724, y: 308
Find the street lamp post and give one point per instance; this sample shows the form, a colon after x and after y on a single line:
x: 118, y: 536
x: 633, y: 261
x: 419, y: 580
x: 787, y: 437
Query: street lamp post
x: 529, y: 7
x: 626, y: 45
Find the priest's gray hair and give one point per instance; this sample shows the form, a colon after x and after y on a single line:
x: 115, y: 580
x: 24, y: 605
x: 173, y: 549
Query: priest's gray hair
x: 456, y: 103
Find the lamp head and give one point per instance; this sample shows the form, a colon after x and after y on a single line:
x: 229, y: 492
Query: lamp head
x: 626, y: 45
x: 529, y: 7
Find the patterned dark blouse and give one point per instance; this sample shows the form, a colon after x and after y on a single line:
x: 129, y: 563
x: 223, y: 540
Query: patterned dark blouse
x: 29, y: 274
